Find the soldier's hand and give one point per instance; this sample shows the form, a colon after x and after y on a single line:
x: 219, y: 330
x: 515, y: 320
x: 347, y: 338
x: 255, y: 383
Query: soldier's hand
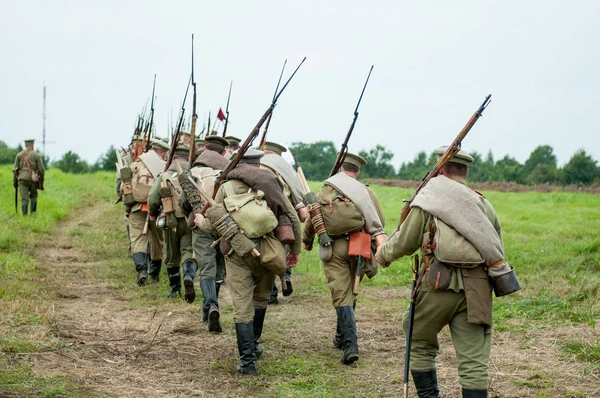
x: 303, y: 213
x: 152, y: 218
x: 306, y: 247
x: 198, y: 219
x: 380, y: 240
x: 292, y: 260
x: 15, y: 183
x: 380, y: 259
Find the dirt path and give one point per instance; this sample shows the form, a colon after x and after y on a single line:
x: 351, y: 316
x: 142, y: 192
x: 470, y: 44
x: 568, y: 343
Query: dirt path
x: 118, y: 347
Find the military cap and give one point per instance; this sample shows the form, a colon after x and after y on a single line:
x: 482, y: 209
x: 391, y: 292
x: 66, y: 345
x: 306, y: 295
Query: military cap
x: 233, y: 140
x: 275, y: 147
x: 462, y: 157
x: 252, y: 156
x: 159, y: 144
x: 215, y: 139
x: 355, y: 160
x: 29, y: 141
x: 163, y: 139
x: 182, y: 150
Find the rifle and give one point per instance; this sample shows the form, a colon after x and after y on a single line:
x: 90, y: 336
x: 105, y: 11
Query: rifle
x: 411, y: 319
x: 16, y: 198
x: 175, y: 139
x: 342, y: 153
x: 145, y: 147
x: 192, y: 156
x: 248, y: 142
x: 264, y: 136
x: 227, y: 110
x: 445, y: 158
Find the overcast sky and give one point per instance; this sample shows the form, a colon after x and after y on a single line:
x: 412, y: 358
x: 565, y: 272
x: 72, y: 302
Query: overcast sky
x: 434, y: 64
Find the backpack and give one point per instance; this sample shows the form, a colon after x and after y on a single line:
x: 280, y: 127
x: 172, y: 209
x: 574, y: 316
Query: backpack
x: 249, y: 211
x: 206, y: 178
x: 340, y: 215
x: 141, y: 181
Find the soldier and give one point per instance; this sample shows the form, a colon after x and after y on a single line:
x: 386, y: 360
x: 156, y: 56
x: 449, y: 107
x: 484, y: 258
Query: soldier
x: 273, y: 161
x: 250, y: 278
x: 28, y: 175
x: 210, y: 260
x: 352, y: 207
x: 163, y: 198
x: 138, y: 178
x: 234, y: 145
x: 465, y: 302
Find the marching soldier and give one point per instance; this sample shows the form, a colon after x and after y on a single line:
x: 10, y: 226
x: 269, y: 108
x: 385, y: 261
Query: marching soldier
x: 28, y: 175
x: 273, y: 161
x: 163, y: 199
x: 352, y: 215
x: 210, y: 260
x: 250, y: 278
x: 461, y: 295
x: 137, y: 179
x: 234, y: 145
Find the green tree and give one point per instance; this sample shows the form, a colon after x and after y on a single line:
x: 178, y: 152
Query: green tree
x: 72, y: 163
x: 509, y: 169
x: 8, y: 154
x: 541, y: 167
x: 378, y: 163
x: 416, y: 169
x: 581, y: 169
x: 316, y: 159
x: 107, y: 160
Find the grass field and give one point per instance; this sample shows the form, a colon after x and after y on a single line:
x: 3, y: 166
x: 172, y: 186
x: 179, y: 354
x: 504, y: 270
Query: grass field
x: 73, y: 323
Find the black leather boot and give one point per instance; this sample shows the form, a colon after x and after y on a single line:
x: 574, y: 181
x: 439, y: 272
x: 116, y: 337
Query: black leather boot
x: 189, y: 272
x: 210, y: 306
x: 141, y: 266
x: 245, y: 341
x: 426, y: 383
x: 24, y: 209
x: 350, y: 340
x: 154, y: 271
x: 259, y: 320
x: 33, y: 207
x: 274, y: 292
x: 338, y: 338
x: 288, y: 282
x: 174, y: 282
x: 474, y: 393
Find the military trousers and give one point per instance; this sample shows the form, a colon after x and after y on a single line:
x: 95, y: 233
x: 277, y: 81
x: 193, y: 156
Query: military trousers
x: 340, y: 272
x: 472, y: 342
x: 139, y: 241
x: 178, y: 244
x: 249, y: 284
x: 211, y: 262
x: 28, y: 192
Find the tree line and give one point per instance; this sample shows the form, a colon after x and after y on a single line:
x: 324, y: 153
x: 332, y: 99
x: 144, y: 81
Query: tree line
x: 317, y: 158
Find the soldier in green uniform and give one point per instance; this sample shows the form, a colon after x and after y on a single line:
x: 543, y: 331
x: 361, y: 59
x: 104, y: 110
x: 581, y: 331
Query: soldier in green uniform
x: 250, y: 278
x: 164, y: 198
x: 348, y: 207
x: 292, y: 188
x: 210, y: 260
x: 465, y: 304
x: 28, y: 172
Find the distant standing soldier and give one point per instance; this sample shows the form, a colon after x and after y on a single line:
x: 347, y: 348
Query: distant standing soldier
x: 210, y: 260
x: 350, y: 210
x: 250, y: 278
x: 273, y: 161
x: 164, y: 199
x: 456, y: 290
x: 28, y: 176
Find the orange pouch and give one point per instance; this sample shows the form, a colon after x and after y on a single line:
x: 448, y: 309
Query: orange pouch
x: 360, y: 244
x: 145, y: 207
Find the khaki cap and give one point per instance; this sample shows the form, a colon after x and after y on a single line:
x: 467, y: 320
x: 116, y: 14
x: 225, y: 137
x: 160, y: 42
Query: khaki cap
x: 275, y: 147
x: 355, y: 160
x: 182, y: 150
x: 233, y: 140
x: 252, y: 156
x: 215, y: 139
x: 29, y: 141
x: 159, y: 144
x: 461, y: 157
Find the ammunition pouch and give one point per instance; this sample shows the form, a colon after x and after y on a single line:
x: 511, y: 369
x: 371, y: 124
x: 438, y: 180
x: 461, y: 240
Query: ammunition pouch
x: 166, y: 198
x: 272, y: 254
x: 438, y: 275
x: 126, y: 185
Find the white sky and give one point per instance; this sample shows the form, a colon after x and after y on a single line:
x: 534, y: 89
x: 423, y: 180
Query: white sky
x: 434, y: 64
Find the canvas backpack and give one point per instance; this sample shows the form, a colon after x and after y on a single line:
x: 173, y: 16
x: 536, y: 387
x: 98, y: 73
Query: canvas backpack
x: 340, y: 215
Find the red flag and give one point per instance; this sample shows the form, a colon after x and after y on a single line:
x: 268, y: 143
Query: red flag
x: 221, y: 115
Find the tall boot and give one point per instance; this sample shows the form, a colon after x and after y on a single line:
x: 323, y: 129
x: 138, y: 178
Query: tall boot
x: 274, y: 292
x: 288, y: 283
x: 154, y: 271
x: 210, y: 306
x: 218, y: 285
x: 24, y: 209
x: 33, y: 207
x: 245, y: 341
x: 259, y: 320
x: 338, y: 338
x: 189, y: 272
x: 174, y: 282
x: 474, y: 393
x: 348, y: 328
x: 141, y: 266
x: 426, y: 383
